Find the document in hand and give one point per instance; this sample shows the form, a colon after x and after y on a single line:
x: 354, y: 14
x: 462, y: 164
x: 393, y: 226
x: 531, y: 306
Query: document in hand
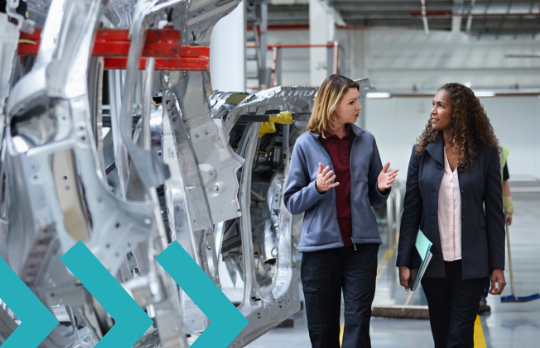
x: 423, y: 247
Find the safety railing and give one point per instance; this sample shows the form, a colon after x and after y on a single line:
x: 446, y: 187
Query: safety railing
x: 332, y: 58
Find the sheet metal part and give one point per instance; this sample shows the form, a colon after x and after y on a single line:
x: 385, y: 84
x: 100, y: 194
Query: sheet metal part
x: 170, y: 160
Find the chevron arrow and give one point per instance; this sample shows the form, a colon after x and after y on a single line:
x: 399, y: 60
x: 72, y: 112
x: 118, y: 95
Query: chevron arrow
x: 226, y: 321
x: 36, y: 320
x: 130, y: 320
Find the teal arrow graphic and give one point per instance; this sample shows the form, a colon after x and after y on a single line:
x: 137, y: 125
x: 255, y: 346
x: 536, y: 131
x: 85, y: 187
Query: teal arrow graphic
x: 36, y: 320
x: 130, y: 320
x: 226, y: 321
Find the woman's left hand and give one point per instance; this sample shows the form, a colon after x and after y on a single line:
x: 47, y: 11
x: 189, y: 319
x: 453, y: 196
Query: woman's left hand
x: 386, y: 179
x: 497, y: 276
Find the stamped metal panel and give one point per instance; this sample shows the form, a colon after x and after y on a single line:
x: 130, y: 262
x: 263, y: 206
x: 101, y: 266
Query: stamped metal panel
x: 9, y: 38
x: 217, y: 163
x: 267, y: 307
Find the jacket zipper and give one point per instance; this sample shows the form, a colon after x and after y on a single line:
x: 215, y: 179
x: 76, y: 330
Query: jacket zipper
x: 332, y: 166
x: 350, y: 169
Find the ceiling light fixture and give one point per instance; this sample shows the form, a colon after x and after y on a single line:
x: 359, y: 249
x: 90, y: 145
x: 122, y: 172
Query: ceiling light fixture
x: 481, y: 94
x: 377, y: 95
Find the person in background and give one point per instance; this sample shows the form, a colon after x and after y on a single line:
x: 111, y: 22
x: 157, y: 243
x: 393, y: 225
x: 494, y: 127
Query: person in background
x: 508, y: 211
x: 507, y: 198
x: 454, y: 195
x: 335, y: 177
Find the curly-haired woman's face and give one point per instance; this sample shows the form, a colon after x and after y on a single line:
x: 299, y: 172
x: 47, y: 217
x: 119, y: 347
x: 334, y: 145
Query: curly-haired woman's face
x: 348, y: 108
x: 441, y: 114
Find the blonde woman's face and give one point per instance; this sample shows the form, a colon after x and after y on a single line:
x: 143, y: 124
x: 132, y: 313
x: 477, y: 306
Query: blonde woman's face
x: 348, y: 109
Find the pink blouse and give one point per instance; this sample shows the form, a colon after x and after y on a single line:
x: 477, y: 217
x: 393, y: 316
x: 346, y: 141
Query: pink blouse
x: 450, y: 213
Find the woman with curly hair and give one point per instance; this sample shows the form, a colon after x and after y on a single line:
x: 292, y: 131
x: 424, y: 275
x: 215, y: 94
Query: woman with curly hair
x: 454, y: 195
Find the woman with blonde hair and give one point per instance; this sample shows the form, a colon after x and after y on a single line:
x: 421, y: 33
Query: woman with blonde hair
x: 335, y: 177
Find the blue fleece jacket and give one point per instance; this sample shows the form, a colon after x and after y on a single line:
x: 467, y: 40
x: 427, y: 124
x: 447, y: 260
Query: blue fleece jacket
x: 320, y: 228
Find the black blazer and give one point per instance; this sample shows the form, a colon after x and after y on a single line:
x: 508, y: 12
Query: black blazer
x: 482, y: 230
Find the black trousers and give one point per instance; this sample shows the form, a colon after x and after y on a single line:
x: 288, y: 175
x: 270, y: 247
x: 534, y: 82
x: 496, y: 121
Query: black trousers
x: 324, y: 274
x: 453, y: 306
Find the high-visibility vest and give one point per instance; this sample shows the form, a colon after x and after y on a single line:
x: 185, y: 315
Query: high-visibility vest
x: 503, y: 157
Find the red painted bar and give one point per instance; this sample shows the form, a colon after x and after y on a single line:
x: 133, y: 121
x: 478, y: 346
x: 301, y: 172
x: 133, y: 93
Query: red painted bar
x: 172, y: 64
x: 113, y: 45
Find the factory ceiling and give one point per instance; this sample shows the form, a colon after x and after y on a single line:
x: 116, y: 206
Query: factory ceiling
x: 476, y: 17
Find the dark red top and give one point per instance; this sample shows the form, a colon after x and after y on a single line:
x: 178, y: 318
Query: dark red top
x: 339, y: 153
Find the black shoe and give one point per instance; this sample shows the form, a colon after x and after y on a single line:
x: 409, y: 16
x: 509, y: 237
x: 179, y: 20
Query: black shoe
x: 484, y: 308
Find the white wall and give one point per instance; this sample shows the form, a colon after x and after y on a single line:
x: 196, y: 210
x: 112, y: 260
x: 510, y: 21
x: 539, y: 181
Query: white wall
x: 400, y: 58
x: 397, y: 122
x: 516, y: 121
x: 396, y: 59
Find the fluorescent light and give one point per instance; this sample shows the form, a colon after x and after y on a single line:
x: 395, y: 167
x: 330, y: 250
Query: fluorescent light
x: 377, y: 95
x: 484, y: 94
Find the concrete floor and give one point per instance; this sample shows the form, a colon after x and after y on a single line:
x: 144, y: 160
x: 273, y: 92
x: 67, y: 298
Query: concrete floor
x: 512, y: 325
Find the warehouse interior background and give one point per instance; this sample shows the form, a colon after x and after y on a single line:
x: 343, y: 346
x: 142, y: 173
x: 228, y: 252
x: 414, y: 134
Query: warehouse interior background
x: 491, y: 46
x: 408, y: 49
x: 129, y: 159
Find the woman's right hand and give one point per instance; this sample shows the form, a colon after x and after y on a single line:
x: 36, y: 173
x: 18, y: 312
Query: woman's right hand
x: 324, y: 179
x: 404, y: 275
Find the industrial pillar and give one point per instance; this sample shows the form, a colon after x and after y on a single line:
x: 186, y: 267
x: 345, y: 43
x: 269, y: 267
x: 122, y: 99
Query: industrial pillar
x: 357, y: 54
x: 321, y: 31
x: 228, y: 74
x: 228, y: 52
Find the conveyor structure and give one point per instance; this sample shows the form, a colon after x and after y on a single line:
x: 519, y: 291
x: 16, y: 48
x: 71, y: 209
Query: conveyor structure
x: 113, y: 136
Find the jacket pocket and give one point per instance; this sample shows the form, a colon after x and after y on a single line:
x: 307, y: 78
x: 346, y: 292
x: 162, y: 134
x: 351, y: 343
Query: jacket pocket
x: 482, y: 220
x: 313, y: 217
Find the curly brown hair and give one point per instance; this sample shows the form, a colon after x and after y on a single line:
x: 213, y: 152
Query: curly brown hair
x: 470, y: 125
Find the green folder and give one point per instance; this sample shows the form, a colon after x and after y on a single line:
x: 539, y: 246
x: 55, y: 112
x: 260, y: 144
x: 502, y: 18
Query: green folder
x: 423, y: 246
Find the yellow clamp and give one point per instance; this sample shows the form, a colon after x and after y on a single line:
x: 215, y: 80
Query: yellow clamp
x: 284, y: 117
x: 267, y: 127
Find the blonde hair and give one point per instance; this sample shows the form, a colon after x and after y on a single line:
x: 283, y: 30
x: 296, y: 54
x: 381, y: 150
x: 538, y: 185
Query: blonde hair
x: 328, y: 98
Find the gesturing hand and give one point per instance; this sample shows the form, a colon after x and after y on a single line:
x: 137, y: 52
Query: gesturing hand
x: 324, y: 179
x: 385, y: 179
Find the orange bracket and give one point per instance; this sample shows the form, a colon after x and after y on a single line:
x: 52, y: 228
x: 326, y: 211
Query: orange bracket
x: 113, y: 45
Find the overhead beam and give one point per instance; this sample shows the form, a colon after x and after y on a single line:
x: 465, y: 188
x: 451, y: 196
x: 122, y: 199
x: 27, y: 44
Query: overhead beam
x: 390, y: 6
x: 432, y: 6
x: 444, y: 24
x: 455, y: 15
x: 415, y: 16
